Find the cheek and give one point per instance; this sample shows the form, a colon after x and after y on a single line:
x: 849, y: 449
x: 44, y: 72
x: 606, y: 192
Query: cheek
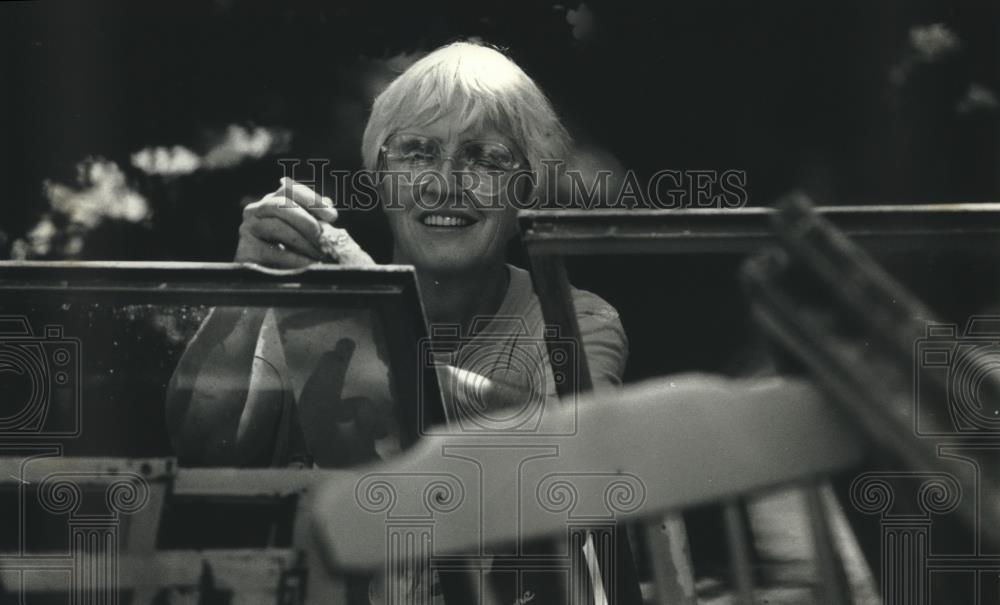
x: 394, y: 209
x: 394, y: 197
x: 392, y: 217
x: 506, y: 221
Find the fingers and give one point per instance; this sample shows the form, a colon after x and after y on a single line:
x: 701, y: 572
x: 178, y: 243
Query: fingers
x: 284, y: 229
x: 280, y: 257
x: 252, y: 249
x: 277, y: 231
x: 338, y: 245
x: 299, y: 206
x: 318, y: 205
x: 280, y: 208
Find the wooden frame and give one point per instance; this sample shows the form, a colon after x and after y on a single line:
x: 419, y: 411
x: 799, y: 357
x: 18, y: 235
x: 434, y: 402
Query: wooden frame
x: 551, y: 235
x: 131, y: 560
x: 879, y: 385
x: 744, y: 230
x: 388, y: 289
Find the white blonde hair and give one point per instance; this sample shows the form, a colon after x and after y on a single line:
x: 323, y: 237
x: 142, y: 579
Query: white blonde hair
x: 476, y: 85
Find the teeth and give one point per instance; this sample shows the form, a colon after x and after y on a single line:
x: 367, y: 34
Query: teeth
x: 436, y: 220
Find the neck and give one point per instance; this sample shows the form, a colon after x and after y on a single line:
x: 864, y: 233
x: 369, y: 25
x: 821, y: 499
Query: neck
x: 458, y: 298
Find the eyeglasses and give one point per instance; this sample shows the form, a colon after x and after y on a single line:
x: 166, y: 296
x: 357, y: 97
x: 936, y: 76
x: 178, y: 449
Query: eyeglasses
x: 488, y: 164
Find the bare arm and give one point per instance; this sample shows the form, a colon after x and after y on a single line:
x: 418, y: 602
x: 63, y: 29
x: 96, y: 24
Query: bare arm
x: 604, y: 343
x: 225, y: 397
x: 207, y: 394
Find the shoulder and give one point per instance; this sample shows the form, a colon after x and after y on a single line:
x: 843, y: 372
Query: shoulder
x: 601, y: 331
x: 599, y: 320
x: 603, y: 337
x: 588, y: 305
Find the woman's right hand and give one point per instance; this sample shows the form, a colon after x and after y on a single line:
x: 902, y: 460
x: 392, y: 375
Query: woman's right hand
x: 282, y: 229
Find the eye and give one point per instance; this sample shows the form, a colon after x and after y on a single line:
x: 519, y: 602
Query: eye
x: 487, y: 163
x: 418, y: 156
x: 489, y: 156
x: 412, y: 149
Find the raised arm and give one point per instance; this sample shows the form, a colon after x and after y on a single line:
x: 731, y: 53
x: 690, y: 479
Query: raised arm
x: 226, y: 394
x: 208, y: 392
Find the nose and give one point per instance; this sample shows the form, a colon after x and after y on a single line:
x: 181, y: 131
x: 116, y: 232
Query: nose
x: 442, y: 184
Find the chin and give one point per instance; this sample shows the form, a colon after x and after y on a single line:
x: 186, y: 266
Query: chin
x: 447, y: 265
x: 451, y: 259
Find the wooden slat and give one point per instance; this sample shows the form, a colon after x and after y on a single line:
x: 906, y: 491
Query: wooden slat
x: 670, y: 554
x: 860, y: 388
x: 740, y: 556
x: 321, y: 587
x: 141, y: 531
x: 774, y: 431
x: 871, y: 384
x: 222, y: 482
x: 553, y: 289
x: 833, y: 579
x: 248, y: 483
x: 14, y: 470
x: 237, y: 570
x: 741, y: 230
x: 210, y: 284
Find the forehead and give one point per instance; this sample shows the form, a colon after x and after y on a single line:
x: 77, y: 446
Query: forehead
x: 450, y: 132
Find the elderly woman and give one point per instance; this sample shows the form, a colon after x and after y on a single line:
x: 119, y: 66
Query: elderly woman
x: 454, y: 130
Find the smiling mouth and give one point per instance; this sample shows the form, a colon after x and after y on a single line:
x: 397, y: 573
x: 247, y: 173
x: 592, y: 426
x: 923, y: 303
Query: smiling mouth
x: 438, y: 220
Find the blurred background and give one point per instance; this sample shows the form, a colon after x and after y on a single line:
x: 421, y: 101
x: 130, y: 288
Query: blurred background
x: 137, y: 131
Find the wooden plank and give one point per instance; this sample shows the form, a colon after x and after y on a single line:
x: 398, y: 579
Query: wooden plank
x: 14, y: 470
x: 740, y: 556
x: 616, y: 573
x: 210, y: 284
x: 860, y: 387
x: 741, y: 230
x: 320, y: 586
x: 833, y: 578
x: 666, y: 449
x: 237, y: 570
x: 670, y: 557
x: 141, y: 531
x: 249, y: 483
x: 222, y: 482
x: 206, y: 272
x: 548, y: 274
x: 871, y: 386
x: 235, y: 482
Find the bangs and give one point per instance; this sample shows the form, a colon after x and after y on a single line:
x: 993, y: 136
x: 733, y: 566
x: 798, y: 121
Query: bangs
x: 442, y: 96
x: 471, y: 86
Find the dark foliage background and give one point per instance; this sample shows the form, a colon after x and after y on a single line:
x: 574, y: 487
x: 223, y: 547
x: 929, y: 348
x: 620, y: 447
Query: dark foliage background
x: 796, y: 94
x: 860, y: 102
